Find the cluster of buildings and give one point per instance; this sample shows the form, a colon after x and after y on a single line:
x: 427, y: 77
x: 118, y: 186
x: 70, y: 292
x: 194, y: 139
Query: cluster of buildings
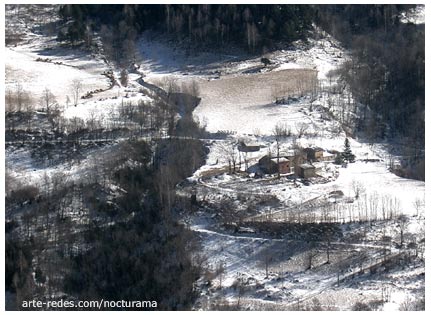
x: 304, y: 163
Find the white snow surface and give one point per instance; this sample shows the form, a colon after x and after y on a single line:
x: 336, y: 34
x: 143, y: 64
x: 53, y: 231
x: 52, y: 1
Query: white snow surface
x: 35, y: 76
x: 415, y: 15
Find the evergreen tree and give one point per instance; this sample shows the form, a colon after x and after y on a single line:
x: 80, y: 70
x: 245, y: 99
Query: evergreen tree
x: 347, y: 154
x: 338, y: 159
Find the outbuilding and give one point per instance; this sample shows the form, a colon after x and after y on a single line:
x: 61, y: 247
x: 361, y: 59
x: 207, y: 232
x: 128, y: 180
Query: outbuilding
x: 314, y: 153
x: 269, y: 165
x: 307, y: 171
x: 248, y: 146
x: 283, y: 165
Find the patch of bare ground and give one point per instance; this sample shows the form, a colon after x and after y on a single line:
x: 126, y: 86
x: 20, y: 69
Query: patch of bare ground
x: 260, y: 88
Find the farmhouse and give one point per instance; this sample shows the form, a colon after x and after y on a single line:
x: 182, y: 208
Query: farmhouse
x: 314, y: 153
x: 248, y: 146
x: 307, y: 170
x: 269, y: 165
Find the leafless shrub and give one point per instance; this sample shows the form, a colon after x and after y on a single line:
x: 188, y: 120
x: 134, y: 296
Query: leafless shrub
x: 301, y: 128
x: 281, y: 130
x: 361, y: 306
x: 219, y: 272
x: 413, y: 305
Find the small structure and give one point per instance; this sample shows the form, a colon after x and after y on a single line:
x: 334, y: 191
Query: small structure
x: 294, y: 155
x: 328, y: 156
x: 307, y: 171
x: 248, y: 146
x: 314, y: 153
x: 269, y: 165
x: 283, y: 165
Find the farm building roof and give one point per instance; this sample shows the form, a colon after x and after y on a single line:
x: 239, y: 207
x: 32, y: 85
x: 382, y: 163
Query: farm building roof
x: 250, y: 143
x: 281, y: 159
x: 307, y: 166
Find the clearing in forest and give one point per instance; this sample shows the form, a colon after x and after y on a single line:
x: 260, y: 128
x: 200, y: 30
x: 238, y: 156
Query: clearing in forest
x: 246, y: 103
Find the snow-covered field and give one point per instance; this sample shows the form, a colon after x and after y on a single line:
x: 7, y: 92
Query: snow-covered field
x: 238, y: 94
x: 35, y: 76
x: 244, y: 104
x: 38, y: 62
x: 58, y: 74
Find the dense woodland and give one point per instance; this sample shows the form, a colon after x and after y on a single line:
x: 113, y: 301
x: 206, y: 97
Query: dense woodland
x: 153, y: 252
x: 386, y: 73
x: 253, y: 26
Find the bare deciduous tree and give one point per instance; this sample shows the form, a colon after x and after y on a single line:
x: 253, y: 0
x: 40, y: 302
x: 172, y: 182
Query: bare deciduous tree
x: 301, y: 128
x: 281, y: 130
x: 358, y: 188
x: 230, y: 154
x: 310, y: 254
x: 48, y: 101
x: 19, y: 96
x: 402, y: 224
x: 170, y: 85
x: 76, y: 89
x: 9, y: 101
x: 418, y: 204
x: 220, y: 270
x: 241, y: 285
x: 267, y: 260
x: 124, y: 78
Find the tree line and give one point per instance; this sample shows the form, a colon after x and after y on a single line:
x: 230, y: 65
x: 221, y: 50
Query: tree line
x: 254, y: 27
x: 25, y: 115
